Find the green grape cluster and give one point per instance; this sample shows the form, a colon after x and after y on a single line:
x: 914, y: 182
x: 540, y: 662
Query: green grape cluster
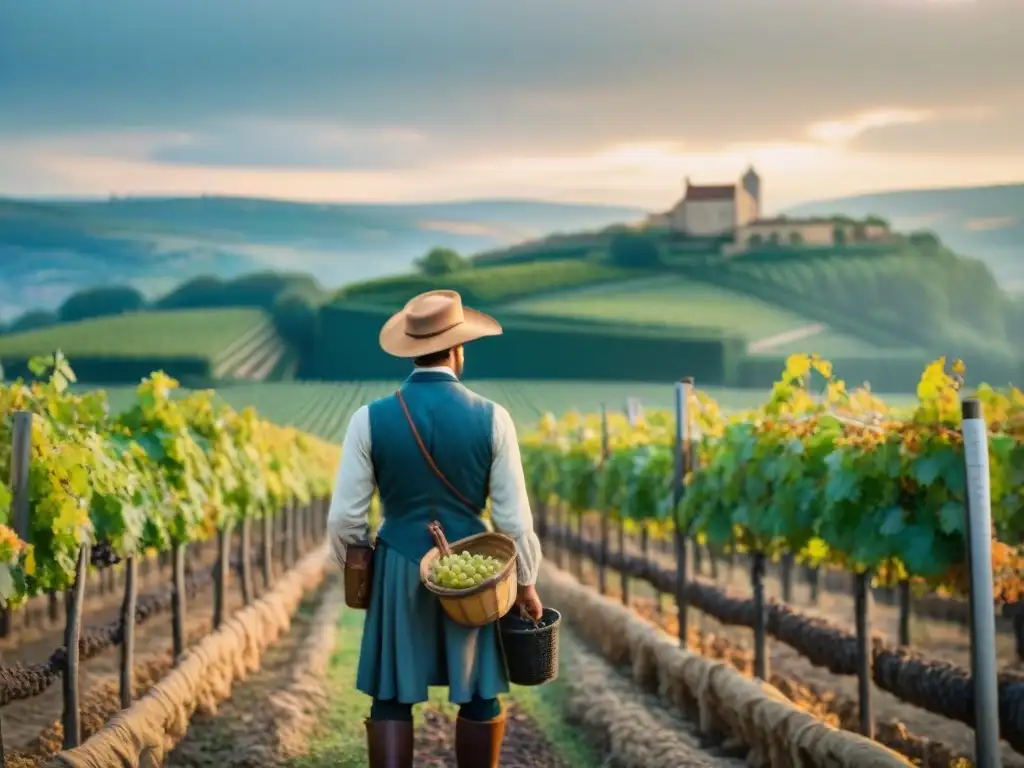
x: 464, y: 570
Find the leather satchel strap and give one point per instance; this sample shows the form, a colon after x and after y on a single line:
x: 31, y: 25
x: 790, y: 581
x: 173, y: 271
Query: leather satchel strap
x: 430, y: 459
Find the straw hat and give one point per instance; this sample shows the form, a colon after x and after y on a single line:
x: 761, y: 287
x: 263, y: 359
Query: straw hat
x: 432, y: 322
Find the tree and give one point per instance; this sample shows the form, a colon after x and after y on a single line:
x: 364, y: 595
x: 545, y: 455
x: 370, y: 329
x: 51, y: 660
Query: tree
x: 36, y: 318
x: 441, y: 261
x: 924, y: 240
x: 296, y: 318
x: 630, y: 249
x: 101, y: 302
x: 201, y: 291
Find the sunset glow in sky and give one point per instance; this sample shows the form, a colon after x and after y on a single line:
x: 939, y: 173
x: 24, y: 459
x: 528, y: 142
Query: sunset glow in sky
x: 576, y: 100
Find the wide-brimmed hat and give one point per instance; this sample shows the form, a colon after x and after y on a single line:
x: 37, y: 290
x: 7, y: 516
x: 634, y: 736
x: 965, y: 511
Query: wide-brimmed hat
x: 433, y: 322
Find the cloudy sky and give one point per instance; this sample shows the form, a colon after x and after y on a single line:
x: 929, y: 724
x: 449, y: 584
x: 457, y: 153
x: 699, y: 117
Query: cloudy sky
x: 580, y: 100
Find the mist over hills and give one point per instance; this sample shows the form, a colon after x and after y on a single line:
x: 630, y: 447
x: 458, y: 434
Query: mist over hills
x: 49, y: 249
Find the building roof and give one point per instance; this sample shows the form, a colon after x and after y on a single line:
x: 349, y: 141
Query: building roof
x: 713, y: 192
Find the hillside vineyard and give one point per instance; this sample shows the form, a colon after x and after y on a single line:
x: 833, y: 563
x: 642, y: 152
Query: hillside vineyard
x: 838, y: 479
x: 162, y: 472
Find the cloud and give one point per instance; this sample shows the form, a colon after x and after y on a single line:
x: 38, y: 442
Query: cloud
x: 382, y: 88
x: 979, y: 130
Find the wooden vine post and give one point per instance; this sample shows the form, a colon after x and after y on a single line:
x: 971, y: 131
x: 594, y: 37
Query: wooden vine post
x: 602, y: 556
x: 281, y: 534
x: 623, y: 559
x: 21, y: 457
x: 245, y: 545
x: 862, y: 624
x: 580, y: 514
x: 288, y: 534
x: 178, y: 599
x: 293, y: 525
x: 125, y: 681
x: 72, y: 634
x: 786, y: 568
x: 684, y: 464
x: 267, y: 548
x: 905, y: 604
x: 221, y: 575
x: 761, y: 661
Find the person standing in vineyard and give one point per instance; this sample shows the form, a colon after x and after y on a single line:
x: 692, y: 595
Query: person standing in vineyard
x: 434, y: 450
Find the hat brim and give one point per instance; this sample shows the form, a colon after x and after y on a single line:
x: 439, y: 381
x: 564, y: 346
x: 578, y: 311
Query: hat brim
x: 475, y: 325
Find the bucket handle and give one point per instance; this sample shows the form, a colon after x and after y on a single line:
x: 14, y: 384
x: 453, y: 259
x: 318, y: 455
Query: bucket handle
x: 526, y: 617
x: 439, y: 540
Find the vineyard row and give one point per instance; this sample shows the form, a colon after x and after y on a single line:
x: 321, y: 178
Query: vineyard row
x: 936, y: 686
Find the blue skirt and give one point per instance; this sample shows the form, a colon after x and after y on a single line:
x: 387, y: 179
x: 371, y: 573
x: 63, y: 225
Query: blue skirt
x: 410, y: 644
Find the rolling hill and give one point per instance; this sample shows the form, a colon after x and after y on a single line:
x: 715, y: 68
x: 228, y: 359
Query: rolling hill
x: 51, y: 249
x: 983, y: 222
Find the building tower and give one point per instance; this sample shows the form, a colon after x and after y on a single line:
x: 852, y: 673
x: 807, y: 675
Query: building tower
x: 752, y: 185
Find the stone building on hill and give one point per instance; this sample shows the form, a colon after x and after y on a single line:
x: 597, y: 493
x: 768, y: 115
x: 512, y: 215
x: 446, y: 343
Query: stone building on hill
x: 714, y: 210
x: 733, y: 212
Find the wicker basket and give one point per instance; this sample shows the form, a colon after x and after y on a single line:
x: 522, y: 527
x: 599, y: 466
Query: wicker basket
x: 531, y: 648
x: 489, y: 600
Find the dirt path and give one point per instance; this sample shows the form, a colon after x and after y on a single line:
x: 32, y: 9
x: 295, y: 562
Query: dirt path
x: 235, y: 737
x: 524, y: 746
x: 537, y: 735
x: 632, y: 729
x: 796, y: 334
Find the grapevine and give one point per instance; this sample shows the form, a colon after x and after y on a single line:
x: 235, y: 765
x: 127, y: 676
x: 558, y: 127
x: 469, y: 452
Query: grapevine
x: 833, y: 476
x: 165, y: 471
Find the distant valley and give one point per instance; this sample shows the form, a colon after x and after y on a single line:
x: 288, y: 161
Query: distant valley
x: 51, y: 249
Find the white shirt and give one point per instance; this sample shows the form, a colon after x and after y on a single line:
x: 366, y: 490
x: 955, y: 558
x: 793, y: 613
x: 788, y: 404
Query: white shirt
x: 348, y: 521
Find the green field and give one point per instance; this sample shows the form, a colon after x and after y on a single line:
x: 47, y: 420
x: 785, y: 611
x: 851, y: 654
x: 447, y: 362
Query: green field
x: 235, y: 343
x: 324, y: 408
x: 679, y: 301
x: 197, y: 333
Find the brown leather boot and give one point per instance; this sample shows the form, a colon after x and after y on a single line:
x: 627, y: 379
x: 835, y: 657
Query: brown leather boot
x: 389, y: 743
x: 478, y: 745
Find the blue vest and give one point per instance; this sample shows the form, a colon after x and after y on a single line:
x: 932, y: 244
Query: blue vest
x: 456, y: 425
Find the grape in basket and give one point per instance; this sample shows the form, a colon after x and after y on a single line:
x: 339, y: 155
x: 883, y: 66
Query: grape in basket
x: 464, y: 570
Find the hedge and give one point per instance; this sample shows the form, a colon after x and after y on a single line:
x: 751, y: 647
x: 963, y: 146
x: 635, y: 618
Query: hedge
x: 347, y: 349
x: 487, y: 285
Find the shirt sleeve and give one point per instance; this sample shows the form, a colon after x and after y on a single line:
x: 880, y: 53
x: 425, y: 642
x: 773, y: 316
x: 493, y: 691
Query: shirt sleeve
x: 510, y: 505
x: 348, y: 521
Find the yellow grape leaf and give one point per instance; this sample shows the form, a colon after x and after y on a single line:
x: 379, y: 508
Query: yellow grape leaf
x: 797, y: 366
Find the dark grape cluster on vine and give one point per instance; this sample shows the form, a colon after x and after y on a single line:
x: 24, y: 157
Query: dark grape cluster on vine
x: 102, y: 555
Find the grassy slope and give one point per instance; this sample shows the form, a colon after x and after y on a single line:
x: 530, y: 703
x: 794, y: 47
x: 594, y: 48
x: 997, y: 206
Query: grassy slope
x: 676, y: 300
x: 341, y: 739
x: 190, y: 333
x: 985, y: 222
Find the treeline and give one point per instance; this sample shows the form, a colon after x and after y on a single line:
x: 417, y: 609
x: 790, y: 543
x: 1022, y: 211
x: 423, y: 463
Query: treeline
x: 484, y: 286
